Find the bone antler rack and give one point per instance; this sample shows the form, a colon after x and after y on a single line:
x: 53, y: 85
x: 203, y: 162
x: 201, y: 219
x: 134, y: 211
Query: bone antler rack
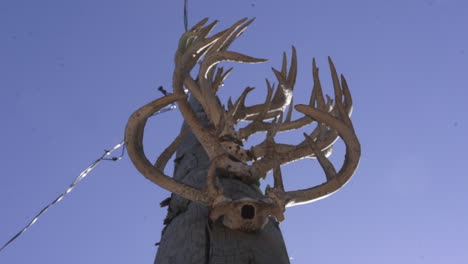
x: 223, y: 141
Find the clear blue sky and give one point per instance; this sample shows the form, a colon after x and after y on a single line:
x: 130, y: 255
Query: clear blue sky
x: 72, y: 72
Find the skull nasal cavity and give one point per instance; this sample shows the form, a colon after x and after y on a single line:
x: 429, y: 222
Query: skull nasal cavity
x: 248, y: 211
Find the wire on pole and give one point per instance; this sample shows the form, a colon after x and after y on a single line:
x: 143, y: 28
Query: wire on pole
x: 84, y: 173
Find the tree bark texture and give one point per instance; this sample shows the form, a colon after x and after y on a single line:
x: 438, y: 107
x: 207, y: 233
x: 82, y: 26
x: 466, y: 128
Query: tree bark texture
x: 189, y: 236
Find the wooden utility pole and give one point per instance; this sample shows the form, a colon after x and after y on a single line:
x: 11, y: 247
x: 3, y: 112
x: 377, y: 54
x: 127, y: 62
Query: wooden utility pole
x: 191, y: 237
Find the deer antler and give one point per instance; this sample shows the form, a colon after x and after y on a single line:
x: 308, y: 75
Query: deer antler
x: 134, y: 140
x: 334, y: 180
x: 324, y: 137
x: 224, y: 143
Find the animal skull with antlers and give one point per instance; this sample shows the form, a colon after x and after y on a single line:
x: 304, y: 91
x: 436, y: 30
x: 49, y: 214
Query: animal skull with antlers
x: 224, y: 143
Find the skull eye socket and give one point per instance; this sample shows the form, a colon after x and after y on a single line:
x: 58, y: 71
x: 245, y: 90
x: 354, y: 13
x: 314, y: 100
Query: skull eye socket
x: 248, y: 211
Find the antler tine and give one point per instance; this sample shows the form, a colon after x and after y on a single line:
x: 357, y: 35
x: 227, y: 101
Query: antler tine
x: 284, y: 65
x: 289, y: 113
x: 317, y: 90
x: 276, y: 125
x: 348, y: 100
x: 270, y: 149
x: 134, y: 139
x: 221, y: 75
x: 278, y: 177
x: 283, y: 95
x: 237, y: 33
x: 336, y: 83
x: 286, y: 81
x: 327, y: 166
x: 265, y: 106
x: 220, y: 44
x: 278, y: 185
x: 292, y: 81
x: 240, y: 102
x: 199, y: 24
x: 162, y: 160
x: 219, y: 56
x: 293, y: 69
